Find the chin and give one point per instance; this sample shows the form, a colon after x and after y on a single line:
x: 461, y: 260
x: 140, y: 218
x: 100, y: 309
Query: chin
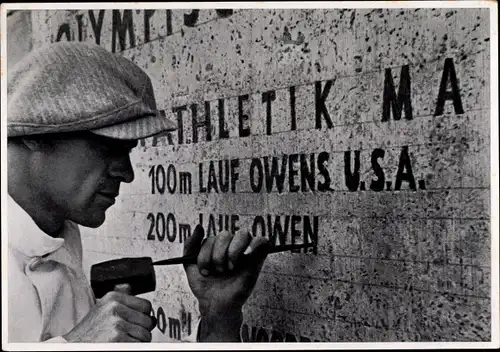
x: 93, y: 222
x: 93, y: 225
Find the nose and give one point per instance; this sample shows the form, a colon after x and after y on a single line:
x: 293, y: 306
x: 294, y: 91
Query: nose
x: 122, y: 168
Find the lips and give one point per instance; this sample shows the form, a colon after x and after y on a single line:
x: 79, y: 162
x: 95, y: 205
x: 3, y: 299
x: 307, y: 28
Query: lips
x: 109, y: 196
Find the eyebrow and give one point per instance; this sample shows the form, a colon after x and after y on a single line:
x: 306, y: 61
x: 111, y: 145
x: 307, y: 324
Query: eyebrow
x: 119, y: 144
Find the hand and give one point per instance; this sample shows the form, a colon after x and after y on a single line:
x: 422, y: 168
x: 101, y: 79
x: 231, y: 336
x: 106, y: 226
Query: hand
x: 117, y: 317
x: 220, y: 280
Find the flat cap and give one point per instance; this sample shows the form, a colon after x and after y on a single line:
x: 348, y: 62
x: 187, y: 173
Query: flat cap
x: 74, y: 86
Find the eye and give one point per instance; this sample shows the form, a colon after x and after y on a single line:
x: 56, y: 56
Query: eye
x: 120, y: 149
x: 116, y: 148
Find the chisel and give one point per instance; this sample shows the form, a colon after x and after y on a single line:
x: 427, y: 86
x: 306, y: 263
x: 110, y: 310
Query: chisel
x: 139, y: 272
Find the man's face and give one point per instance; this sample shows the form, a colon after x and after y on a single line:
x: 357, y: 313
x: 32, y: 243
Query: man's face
x: 84, y: 174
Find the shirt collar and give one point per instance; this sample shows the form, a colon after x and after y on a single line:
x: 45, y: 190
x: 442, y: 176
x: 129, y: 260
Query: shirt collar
x: 25, y: 236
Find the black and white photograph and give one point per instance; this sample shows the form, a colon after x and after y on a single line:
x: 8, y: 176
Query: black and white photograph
x: 249, y: 175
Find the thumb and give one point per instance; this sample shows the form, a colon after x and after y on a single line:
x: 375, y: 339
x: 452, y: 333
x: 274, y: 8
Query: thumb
x: 255, y: 260
x: 259, y: 254
x: 192, y: 244
x: 124, y: 288
x: 250, y: 270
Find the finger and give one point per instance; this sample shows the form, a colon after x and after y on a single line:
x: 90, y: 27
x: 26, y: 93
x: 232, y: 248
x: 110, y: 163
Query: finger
x: 136, y: 303
x: 124, y: 337
x: 236, y: 248
x: 219, y: 251
x: 205, y: 256
x: 154, y: 322
x: 258, y: 246
x: 124, y: 288
x: 137, y: 318
x: 251, y: 266
x: 192, y: 244
x: 256, y: 253
x: 128, y: 338
x: 136, y: 331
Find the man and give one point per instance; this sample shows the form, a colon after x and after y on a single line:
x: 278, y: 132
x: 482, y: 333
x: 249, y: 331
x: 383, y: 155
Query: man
x: 75, y: 111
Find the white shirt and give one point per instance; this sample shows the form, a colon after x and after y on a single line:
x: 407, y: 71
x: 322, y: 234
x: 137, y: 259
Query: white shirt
x: 48, y: 291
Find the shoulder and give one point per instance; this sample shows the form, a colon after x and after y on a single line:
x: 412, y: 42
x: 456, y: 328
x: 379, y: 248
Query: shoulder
x: 24, y: 309
x: 21, y: 291
x: 16, y: 261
